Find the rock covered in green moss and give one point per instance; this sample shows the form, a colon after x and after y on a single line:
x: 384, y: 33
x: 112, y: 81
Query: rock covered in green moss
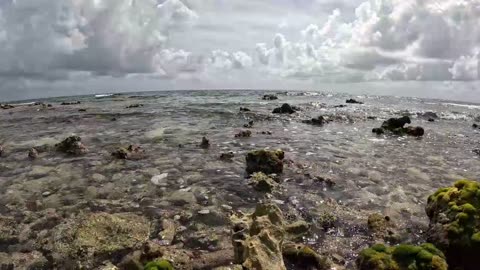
x: 402, y: 257
x: 265, y: 161
x: 454, y: 214
x: 159, y: 265
x: 305, y: 257
x: 382, y: 228
x: 72, y: 145
x: 263, y: 182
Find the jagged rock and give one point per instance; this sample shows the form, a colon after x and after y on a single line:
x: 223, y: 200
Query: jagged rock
x: 269, y: 97
x: 353, y: 101
x: 32, y: 153
x: 72, y: 145
x: 285, y: 108
x: 244, y: 134
x: 242, y: 109
x: 91, y: 238
x: 396, y: 126
x: 70, y: 103
x: 263, y: 183
x: 297, y: 229
x: 402, y: 257
x: 258, y: 238
x: 134, y: 106
x: 454, y: 214
x: 227, y: 156
x: 205, y: 143
x: 305, y: 257
x: 131, y: 152
x: 265, y: 161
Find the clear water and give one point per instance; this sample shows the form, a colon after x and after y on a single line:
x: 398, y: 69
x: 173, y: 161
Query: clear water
x: 390, y: 175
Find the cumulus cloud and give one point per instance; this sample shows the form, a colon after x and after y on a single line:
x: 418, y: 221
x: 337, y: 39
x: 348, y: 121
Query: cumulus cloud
x: 105, y: 37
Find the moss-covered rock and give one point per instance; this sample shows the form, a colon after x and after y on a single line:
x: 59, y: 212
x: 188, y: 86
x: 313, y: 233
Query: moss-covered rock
x: 92, y: 238
x: 159, y: 265
x: 263, y: 182
x: 265, y: 161
x: 382, y: 228
x: 305, y: 257
x: 454, y: 214
x: 72, y: 145
x: 402, y: 257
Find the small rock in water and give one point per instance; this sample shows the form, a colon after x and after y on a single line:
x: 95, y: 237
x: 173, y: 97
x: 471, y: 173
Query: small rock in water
x: 249, y: 125
x: 33, y: 153
x: 431, y: 120
x: 319, y: 121
x: 396, y: 126
x: 205, y: 143
x: 204, y: 212
x: 265, y: 161
x: 131, y: 152
x: 353, y: 101
x: 242, y: 109
x: 134, y: 106
x: 46, y: 193
x: 70, y: 103
x: 159, y: 180
x: 475, y: 125
x: 269, y: 97
x: 82, y: 110
x: 167, y: 234
x: 227, y: 156
x: 285, y: 109
x: 72, y: 145
x: 1, y: 150
x: 243, y: 134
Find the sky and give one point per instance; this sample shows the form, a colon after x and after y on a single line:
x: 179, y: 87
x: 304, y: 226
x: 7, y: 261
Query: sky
x: 426, y: 48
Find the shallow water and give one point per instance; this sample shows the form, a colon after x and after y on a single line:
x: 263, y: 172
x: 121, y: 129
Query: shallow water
x: 386, y: 174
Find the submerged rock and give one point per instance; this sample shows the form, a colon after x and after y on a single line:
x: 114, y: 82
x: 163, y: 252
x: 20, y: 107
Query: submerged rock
x: 23, y: 261
x: 6, y: 106
x: 134, y: 106
x: 65, y: 103
x: 263, y: 183
x: 205, y: 143
x: 353, y: 101
x: 269, y: 97
x: 2, y: 150
x: 244, y: 134
x: 242, y: 109
x: 249, y: 124
x: 72, y: 145
x: 428, y: 115
x: 396, y: 126
x: 227, y: 156
x: 284, y: 109
x: 131, y: 152
x: 265, y: 161
x: 32, y: 153
x: 402, y: 257
x: 319, y: 121
x: 454, y: 214
x: 91, y: 238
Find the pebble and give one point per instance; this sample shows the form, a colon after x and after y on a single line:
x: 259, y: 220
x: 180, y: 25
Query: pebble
x: 204, y: 212
x: 227, y: 207
x: 46, y: 193
x: 159, y: 180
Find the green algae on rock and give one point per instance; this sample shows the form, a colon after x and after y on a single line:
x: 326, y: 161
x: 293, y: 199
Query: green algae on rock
x: 265, y: 161
x: 305, y: 257
x: 454, y: 214
x: 263, y: 183
x: 402, y: 257
x: 159, y: 265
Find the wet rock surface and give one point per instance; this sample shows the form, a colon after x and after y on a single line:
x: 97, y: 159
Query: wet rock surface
x: 269, y: 97
x: 72, y: 145
x: 285, y: 109
x: 265, y: 161
x: 353, y: 101
x: 396, y: 126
